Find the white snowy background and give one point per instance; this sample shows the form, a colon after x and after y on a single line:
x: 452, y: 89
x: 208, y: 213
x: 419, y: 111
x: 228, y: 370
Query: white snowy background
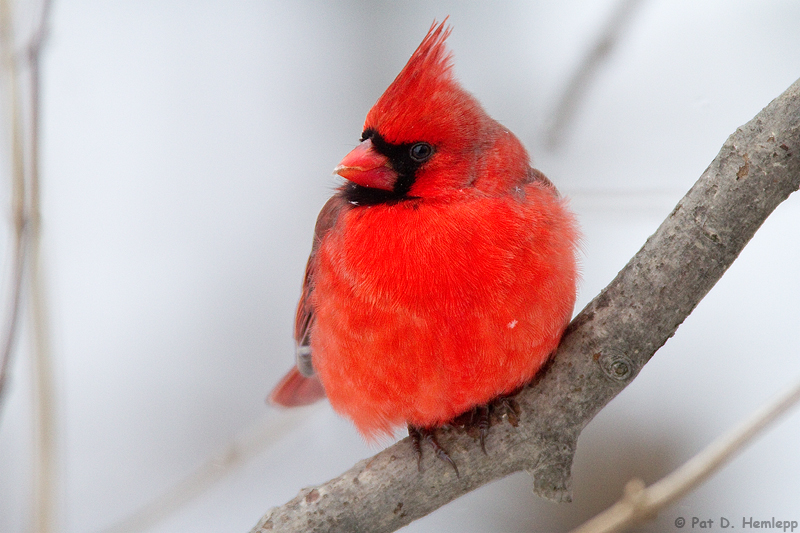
x: 186, y: 150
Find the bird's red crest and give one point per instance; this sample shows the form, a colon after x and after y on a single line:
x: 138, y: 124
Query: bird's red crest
x: 411, y: 108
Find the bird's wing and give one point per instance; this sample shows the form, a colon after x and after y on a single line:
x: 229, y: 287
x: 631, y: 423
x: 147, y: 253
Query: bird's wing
x: 301, y: 386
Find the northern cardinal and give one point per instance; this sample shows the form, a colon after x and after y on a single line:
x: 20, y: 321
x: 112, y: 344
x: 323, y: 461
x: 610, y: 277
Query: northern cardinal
x: 442, y: 273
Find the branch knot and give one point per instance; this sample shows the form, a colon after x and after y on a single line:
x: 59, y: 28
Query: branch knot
x: 618, y: 367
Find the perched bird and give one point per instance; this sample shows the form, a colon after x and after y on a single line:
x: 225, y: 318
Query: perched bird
x: 442, y: 273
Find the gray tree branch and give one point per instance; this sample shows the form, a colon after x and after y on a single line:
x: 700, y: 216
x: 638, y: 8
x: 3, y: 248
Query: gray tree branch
x: 601, y: 353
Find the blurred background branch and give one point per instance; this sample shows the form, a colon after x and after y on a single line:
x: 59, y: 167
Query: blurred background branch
x: 640, y: 504
x: 20, y: 209
x: 560, y: 119
x: 22, y: 71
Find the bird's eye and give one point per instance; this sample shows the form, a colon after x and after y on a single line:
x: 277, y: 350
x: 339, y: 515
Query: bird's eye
x: 420, y: 152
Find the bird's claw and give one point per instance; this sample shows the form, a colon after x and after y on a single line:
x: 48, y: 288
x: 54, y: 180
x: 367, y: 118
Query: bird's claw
x: 478, y: 421
x: 510, y: 408
x: 417, y: 435
x: 481, y: 412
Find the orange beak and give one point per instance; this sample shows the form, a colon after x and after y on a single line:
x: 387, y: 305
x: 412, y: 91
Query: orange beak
x: 366, y: 167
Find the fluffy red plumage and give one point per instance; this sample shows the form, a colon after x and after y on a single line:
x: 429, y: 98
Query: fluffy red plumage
x: 443, y: 273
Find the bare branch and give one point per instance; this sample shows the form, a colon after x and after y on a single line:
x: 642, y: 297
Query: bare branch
x: 26, y: 254
x: 640, y: 504
x: 245, y: 446
x: 586, y: 71
x: 602, y: 351
x: 25, y: 186
x: 18, y: 184
x: 45, y: 499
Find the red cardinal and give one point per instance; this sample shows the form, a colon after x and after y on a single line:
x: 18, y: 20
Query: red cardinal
x: 442, y: 273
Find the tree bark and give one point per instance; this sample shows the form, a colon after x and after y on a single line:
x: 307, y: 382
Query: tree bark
x: 602, y: 351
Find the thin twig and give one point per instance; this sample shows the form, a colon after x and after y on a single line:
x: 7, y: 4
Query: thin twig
x: 26, y: 205
x: 247, y: 445
x: 640, y: 504
x: 18, y: 204
x: 586, y: 71
x: 45, y: 499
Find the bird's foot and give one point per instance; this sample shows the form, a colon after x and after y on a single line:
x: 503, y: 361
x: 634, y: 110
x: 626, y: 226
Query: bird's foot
x: 428, y: 435
x: 476, y: 422
x: 508, y: 408
x: 479, y: 419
